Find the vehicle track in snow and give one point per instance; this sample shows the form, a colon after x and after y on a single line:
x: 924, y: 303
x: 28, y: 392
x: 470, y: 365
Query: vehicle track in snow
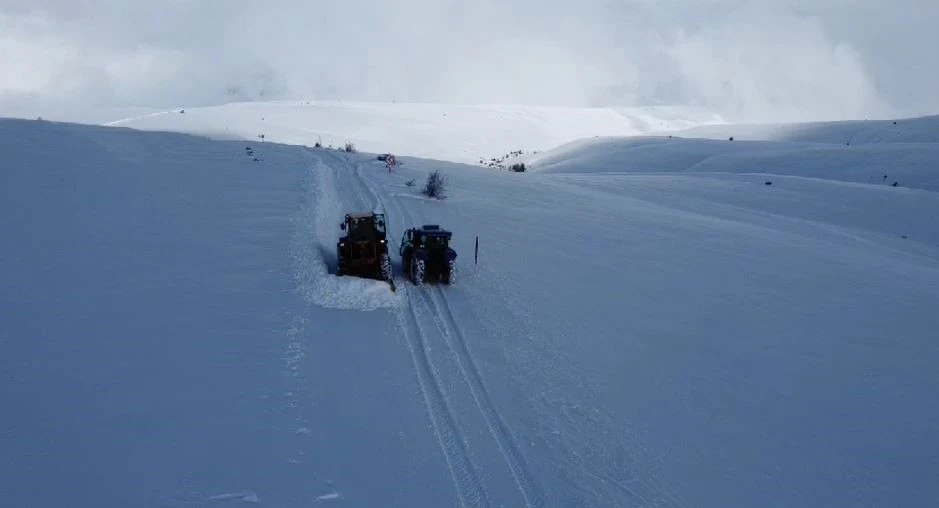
x: 466, y: 478
x: 485, y: 460
x: 435, y: 302
x: 613, y: 483
x: 456, y: 341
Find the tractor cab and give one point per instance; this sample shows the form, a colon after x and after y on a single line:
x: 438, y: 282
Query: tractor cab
x: 428, y: 236
x: 364, y: 226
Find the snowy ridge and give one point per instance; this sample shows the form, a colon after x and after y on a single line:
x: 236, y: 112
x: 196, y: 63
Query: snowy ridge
x: 437, y: 131
x: 923, y: 129
x: 910, y: 165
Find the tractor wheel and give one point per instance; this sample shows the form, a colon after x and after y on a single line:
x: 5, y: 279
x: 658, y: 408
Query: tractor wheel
x: 417, y: 271
x: 386, y: 267
x: 449, y: 277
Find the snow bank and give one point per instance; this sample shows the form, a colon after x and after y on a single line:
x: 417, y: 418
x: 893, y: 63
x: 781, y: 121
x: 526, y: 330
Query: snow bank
x: 314, y: 251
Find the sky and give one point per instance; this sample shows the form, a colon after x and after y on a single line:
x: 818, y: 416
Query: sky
x: 763, y: 60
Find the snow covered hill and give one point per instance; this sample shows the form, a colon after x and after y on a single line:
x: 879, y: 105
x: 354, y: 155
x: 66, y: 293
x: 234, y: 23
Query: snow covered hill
x: 173, y: 333
x: 905, y: 130
x: 879, y: 154
x: 457, y: 133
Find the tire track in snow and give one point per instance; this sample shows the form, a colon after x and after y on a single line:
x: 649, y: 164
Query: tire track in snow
x: 466, y: 479
x: 428, y: 301
x: 469, y: 487
x: 456, y: 341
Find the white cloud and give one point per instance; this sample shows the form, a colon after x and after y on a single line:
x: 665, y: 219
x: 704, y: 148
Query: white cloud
x: 775, y: 59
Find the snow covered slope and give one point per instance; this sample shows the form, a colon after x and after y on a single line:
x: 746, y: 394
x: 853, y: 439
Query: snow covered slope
x: 172, y: 333
x: 155, y: 348
x: 905, y: 130
x: 872, y: 158
x: 437, y: 131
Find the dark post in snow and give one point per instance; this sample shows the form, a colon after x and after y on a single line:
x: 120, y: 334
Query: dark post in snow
x: 476, y: 258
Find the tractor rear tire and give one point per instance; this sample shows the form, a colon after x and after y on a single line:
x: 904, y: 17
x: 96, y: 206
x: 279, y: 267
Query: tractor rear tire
x: 449, y: 277
x: 386, y: 267
x: 417, y: 271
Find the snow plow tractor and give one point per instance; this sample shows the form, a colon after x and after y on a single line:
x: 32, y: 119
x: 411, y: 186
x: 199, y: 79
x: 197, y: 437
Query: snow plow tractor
x: 363, y: 251
x: 426, y: 255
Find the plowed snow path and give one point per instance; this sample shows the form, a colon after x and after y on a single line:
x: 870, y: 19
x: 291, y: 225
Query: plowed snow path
x: 485, y: 463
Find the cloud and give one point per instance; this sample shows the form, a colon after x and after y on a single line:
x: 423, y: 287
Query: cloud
x: 770, y: 60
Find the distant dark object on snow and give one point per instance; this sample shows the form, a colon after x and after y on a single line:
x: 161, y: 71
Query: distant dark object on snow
x: 767, y: 183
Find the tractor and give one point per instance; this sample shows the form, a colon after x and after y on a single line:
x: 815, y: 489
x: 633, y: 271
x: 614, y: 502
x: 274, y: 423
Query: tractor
x: 363, y: 251
x: 426, y: 255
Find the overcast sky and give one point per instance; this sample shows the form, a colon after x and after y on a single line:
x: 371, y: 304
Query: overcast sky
x: 758, y: 60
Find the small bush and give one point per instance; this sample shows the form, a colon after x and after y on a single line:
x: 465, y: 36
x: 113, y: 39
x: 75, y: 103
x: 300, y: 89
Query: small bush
x: 436, y: 186
x: 518, y: 167
x: 350, y: 148
x: 410, y: 183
